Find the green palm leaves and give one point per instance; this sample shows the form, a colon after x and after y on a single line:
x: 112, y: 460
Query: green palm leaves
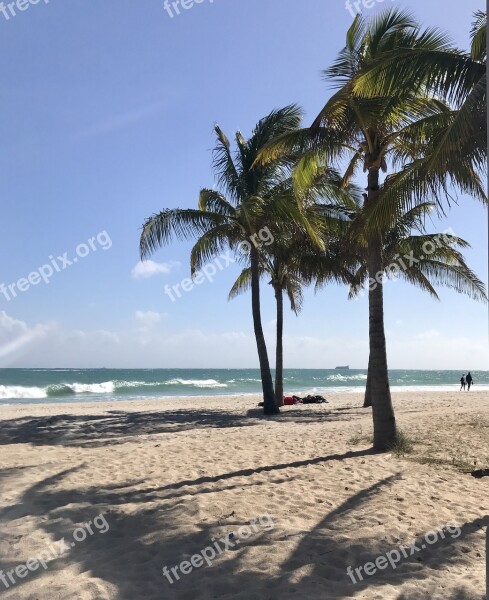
x: 424, y: 260
x: 408, y: 115
x: 250, y: 197
x: 409, y: 104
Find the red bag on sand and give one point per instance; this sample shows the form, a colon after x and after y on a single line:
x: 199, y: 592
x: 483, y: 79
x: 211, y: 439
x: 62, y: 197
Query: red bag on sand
x: 288, y: 401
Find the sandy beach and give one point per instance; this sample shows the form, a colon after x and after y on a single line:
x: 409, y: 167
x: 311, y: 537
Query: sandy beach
x: 209, y: 209
x: 301, y: 494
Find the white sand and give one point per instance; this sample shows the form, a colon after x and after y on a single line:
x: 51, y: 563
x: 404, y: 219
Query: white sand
x: 170, y: 475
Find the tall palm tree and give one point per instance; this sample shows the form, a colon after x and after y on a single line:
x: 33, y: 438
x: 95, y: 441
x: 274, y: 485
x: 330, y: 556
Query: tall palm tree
x: 458, y: 139
x: 234, y: 217
x: 460, y: 136
x: 455, y: 141
x: 425, y: 260
x: 291, y: 263
x: 375, y: 132
x: 283, y: 278
x: 304, y: 248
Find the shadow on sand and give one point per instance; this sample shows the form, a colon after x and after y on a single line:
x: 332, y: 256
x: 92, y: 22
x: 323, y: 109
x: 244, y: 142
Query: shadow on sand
x: 117, y: 427
x: 153, y: 531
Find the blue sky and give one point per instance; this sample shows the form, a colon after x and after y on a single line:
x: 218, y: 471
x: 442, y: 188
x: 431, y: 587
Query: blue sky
x: 107, y: 116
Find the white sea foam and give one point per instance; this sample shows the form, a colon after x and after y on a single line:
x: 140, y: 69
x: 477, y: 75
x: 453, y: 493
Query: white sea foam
x: 394, y: 388
x: 200, y: 383
x: 133, y: 384
x: 18, y: 391
x: 92, y: 388
x: 338, y: 377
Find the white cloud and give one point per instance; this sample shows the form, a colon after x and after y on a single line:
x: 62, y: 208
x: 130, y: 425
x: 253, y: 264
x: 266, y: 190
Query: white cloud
x: 148, y: 318
x: 16, y: 337
x: 432, y: 349
x: 146, y: 346
x: 431, y: 334
x: 149, y: 268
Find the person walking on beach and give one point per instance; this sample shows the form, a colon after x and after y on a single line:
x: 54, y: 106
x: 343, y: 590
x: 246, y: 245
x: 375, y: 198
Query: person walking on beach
x: 462, y: 383
x: 469, y: 381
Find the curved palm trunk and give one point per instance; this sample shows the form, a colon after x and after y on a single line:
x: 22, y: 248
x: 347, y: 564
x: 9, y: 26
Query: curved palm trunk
x: 270, y: 407
x: 385, y: 432
x: 279, y: 358
x: 367, y: 403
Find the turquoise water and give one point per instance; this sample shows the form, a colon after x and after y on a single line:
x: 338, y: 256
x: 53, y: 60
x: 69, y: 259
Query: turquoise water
x: 77, y: 385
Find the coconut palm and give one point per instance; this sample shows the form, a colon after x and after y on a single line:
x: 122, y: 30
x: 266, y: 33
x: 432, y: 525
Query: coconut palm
x: 305, y: 247
x: 455, y: 141
x: 424, y: 260
x: 234, y: 217
x: 374, y: 133
x: 283, y: 279
x: 459, y: 138
x: 294, y: 261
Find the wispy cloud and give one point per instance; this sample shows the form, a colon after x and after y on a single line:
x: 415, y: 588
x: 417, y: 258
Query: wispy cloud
x: 153, y: 343
x: 148, y: 318
x: 113, y: 123
x: 150, y: 268
x: 16, y: 337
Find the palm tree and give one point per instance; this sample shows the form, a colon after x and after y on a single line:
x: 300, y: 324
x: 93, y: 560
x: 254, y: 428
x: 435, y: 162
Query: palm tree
x: 373, y: 133
x: 304, y: 249
x: 291, y: 264
x: 460, y: 136
x: 283, y: 279
x: 458, y: 140
x: 235, y: 217
x: 425, y: 260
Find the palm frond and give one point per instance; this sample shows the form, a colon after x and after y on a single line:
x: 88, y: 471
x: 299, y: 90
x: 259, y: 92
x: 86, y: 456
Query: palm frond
x: 183, y: 224
x: 210, y: 245
x: 478, y: 47
x: 293, y: 289
x: 226, y: 172
x: 242, y: 284
x: 459, y: 278
x: 214, y: 201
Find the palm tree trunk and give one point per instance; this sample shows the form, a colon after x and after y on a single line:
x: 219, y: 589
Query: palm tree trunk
x: 367, y: 403
x: 385, y: 433
x: 270, y: 408
x: 279, y: 359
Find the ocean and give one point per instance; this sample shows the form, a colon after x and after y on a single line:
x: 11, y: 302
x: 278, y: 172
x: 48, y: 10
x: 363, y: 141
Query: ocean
x: 36, y: 386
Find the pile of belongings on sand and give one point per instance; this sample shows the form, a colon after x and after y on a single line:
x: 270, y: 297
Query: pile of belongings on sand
x: 289, y: 400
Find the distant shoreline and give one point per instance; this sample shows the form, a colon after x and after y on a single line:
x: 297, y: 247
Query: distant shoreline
x: 64, y: 386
